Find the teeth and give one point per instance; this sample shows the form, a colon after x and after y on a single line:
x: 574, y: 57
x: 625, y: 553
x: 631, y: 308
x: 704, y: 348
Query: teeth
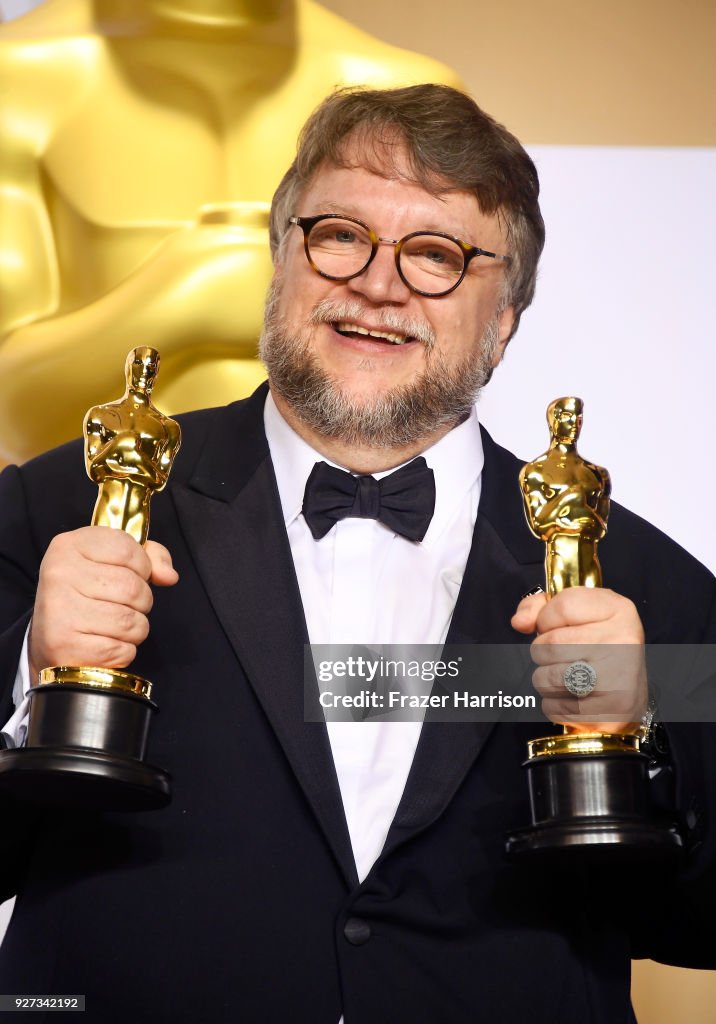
x: 396, y: 339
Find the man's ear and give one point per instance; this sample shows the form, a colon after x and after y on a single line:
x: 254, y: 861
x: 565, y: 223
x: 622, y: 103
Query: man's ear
x: 505, y: 324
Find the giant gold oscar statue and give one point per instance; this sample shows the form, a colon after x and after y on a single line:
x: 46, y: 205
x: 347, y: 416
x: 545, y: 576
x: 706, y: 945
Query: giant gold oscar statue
x: 141, y: 143
x: 88, y: 726
x: 589, y: 790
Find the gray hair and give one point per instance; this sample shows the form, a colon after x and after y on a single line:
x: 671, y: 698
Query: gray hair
x: 450, y: 144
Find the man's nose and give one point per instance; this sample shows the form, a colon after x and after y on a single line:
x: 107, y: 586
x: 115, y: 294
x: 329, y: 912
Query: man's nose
x: 381, y: 282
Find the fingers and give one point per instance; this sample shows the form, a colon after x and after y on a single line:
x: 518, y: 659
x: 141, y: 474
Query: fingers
x: 618, y: 700
x: 525, y: 618
x: 579, y: 615
x: 83, y: 632
x: 115, y: 584
x: 163, y: 573
x: 102, y: 545
x: 588, y: 615
x: 93, y: 598
x: 601, y: 628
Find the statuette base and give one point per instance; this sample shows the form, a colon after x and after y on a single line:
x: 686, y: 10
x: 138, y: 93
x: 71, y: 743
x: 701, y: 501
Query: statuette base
x: 86, y: 740
x: 592, y: 805
x: 83, y: 779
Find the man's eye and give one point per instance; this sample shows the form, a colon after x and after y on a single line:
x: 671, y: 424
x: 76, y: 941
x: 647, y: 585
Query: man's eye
x: 428, y: 254
x: 435, y: 258
x: 329, y: 235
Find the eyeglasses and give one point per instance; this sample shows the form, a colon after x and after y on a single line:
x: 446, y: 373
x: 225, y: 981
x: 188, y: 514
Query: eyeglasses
x: 430, y: 263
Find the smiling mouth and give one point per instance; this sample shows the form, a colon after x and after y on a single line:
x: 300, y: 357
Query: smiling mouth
x: 349, y: 330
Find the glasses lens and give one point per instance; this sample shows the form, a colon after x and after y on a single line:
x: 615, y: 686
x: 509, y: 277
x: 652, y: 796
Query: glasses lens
x: 339, y: 248
x: 431, y: 263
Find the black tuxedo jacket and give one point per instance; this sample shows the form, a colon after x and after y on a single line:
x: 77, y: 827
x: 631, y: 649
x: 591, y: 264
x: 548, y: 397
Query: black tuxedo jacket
x: 240, y: 901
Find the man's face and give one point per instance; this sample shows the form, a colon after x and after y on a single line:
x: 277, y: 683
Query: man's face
x: 322, y: 323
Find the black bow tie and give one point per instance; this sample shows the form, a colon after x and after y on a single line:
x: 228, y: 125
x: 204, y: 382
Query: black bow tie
x: 404, y: 501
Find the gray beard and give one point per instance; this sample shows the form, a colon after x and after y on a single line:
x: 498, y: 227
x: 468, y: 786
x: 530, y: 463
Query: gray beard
x: 441, y: 396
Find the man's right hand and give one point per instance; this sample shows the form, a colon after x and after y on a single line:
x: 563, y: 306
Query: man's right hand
x: 93, y: 598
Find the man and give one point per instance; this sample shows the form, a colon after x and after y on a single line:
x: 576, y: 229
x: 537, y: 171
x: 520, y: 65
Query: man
x: 304, y: 872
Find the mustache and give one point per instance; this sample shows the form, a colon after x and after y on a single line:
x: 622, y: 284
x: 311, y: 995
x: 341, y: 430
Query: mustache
x: 350, y: 310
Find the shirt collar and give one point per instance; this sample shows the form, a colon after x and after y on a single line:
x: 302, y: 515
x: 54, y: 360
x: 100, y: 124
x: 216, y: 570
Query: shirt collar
x: 456, y: 460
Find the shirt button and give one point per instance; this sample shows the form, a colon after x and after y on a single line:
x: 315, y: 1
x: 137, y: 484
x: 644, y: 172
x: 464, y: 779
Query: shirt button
x: 356, y: 931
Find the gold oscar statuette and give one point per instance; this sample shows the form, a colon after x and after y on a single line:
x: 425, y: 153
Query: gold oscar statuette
x: 88, y: 726
x: 589, y: 790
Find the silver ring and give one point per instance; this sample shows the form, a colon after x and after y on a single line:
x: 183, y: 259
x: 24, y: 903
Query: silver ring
x: 579, y: 678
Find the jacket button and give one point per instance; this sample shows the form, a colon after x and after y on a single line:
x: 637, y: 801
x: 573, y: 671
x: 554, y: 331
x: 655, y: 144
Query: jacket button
x: 356, y: 931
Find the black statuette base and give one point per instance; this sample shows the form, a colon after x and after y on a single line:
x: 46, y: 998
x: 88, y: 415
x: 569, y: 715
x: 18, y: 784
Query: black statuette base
x: 85, y: 748
x: 84, y: 779
x: 593, y: 807
x: 72, y: 715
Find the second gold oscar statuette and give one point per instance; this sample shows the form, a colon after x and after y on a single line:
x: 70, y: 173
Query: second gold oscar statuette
x: 589, y: 791
x: 88, y: 726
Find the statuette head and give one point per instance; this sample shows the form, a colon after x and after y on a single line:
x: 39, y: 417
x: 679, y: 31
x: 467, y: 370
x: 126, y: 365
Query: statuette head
x: 564, y: 416
x: 141, y: 369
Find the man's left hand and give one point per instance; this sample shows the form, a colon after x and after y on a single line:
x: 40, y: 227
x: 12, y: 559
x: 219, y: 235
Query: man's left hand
x: 601, y: 628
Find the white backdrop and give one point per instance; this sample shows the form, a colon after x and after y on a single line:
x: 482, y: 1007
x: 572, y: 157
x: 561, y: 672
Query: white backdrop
x: 623, y: 318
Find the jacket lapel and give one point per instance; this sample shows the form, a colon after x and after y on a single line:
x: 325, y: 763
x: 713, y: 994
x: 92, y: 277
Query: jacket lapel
x: 505, y: 561
x: 231, y: 516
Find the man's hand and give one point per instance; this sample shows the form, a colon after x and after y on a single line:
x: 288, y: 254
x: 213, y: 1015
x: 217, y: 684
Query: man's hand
x: 601, y: 628
x: 93, y: 598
